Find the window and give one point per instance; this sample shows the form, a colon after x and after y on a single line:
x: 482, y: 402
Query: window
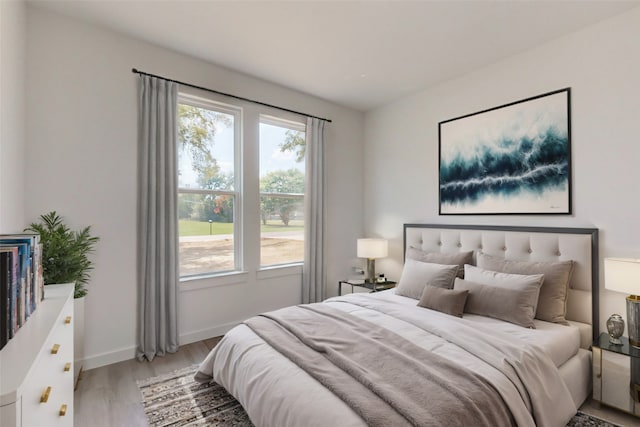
x: 225, y: 179
x: 208, y: 197
x: 282, y: 178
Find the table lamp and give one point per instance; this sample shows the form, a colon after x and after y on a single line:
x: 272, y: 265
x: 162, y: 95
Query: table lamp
x: 372, y: 249
x: 623, y: 275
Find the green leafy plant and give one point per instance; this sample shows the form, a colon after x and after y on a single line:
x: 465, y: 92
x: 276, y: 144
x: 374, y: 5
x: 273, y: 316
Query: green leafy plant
x: 65, y: 253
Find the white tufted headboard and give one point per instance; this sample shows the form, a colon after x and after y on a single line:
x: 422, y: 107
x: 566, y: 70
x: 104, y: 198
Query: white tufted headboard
x: 525, y: 244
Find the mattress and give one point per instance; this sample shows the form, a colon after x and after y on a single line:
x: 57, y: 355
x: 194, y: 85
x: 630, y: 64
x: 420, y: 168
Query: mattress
x: 560, y: 342
x: 576, y: 374
x: 273, y: 389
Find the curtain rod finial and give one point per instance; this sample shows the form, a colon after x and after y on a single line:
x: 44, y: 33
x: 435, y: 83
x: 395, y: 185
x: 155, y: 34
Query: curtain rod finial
x: 133, y: 70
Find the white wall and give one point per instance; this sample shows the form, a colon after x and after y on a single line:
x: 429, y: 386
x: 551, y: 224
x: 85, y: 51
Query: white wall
x: 81, y: 149
x: 12, y: 115
x: 601, y: 64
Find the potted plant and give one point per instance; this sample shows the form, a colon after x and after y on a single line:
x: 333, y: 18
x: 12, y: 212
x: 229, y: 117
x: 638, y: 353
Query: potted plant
x: 65, y: 259
x: 65, y: 253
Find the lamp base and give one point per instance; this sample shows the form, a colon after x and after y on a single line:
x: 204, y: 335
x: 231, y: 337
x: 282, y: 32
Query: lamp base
x: 633, y: 320
x: 370, y: 275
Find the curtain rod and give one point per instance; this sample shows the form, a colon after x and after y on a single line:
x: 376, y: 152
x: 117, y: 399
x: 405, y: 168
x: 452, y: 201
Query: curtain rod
x: 133, y: 70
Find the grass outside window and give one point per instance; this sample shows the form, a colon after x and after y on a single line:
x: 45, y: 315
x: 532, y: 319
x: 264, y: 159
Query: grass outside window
x: 204, y: 228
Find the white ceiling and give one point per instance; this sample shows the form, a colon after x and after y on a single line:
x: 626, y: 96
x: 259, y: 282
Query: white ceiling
x: 361, y: 54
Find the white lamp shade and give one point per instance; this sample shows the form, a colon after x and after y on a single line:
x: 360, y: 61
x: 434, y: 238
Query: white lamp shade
x: 373, y: 248
x: 622, y: 275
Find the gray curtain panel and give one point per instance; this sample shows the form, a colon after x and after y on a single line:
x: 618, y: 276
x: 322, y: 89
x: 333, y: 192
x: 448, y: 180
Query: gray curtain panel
x: 157, y: 218
x: 315, y: 208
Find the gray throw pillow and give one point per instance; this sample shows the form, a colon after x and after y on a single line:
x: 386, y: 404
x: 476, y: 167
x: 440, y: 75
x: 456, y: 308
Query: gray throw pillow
x: 449, y: 301
x: 512, y: 305
x: 460, y: 258
x: 552, y: 304
x: 416, y: 275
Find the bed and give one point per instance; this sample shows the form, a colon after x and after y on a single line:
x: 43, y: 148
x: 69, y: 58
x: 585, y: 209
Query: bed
x: 385, y: 360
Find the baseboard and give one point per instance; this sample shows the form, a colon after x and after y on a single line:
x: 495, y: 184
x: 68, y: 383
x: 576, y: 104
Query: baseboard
x: 207, y: 333
x: 108, y: 358
x: 129, y: 353
x: 75, y: 386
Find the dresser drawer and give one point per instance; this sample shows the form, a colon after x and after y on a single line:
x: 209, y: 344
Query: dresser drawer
x: 48, y: 394
x: 37, y: 364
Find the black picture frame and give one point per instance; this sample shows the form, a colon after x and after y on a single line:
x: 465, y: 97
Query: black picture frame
x: 514, y: 159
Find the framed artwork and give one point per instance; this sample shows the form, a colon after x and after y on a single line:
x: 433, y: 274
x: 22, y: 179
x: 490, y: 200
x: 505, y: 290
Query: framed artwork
x: 511, y: 159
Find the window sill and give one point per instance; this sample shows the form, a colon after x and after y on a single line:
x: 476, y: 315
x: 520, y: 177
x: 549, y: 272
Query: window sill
x: 279, y: 271
x: 195, y: 283
x: 210, y: 281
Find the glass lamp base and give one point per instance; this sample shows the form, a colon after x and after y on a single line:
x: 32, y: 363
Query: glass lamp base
x: 633, y: 320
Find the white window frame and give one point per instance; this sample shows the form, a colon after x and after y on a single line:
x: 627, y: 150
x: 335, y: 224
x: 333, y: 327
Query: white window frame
x: 236, y: 111
x: 294, y: 126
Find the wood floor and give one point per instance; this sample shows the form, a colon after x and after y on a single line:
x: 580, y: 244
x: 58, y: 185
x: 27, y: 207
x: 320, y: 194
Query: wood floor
x: 109, y: 396
x: 617, y: 417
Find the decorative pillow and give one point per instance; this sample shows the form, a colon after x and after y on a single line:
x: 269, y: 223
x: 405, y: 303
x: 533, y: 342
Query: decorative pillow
x: 461, y: 258
x: 416, y: 275
x: 512, y: 305
x: 449, y: 301
x: 552, y: 304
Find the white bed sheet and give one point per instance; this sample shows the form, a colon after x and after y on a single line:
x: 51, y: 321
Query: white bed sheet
x: 252, y: 371
x: 560, y: 342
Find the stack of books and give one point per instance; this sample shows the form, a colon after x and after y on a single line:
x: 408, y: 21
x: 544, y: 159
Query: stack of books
x: 21, y: 281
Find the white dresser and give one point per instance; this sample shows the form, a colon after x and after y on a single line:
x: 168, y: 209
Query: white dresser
x: 36, y: 366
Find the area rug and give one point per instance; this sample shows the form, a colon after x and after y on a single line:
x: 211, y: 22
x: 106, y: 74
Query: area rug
x: 175, y: 399
x: 584, y: 420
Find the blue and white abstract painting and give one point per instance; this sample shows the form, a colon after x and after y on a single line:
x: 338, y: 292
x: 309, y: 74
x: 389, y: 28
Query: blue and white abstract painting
x: 513, y: 159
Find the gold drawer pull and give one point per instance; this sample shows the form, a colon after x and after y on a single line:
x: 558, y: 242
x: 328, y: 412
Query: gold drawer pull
x: 63, y: 410
x: 45, y: 395
x: 67, y: 320
x: 55, y: 348
x: 67, y: 367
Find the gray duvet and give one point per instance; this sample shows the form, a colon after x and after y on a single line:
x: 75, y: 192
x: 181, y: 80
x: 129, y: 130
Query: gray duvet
x: 385, y: 378
x: 278, y: 392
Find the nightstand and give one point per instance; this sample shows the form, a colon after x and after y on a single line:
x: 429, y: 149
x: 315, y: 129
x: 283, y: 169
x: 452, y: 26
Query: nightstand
x: 614, y: 366
x: 374, y: 287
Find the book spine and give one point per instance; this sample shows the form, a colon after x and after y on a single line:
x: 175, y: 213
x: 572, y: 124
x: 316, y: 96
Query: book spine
x: 27, y: 290
x: 24, y: 292
x: 21, y: 313
x: 37, y: 273
x: 5, y: 282
x: 15, y: 281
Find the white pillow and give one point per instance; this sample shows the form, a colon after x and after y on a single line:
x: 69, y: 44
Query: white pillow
x: 416, y: 275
